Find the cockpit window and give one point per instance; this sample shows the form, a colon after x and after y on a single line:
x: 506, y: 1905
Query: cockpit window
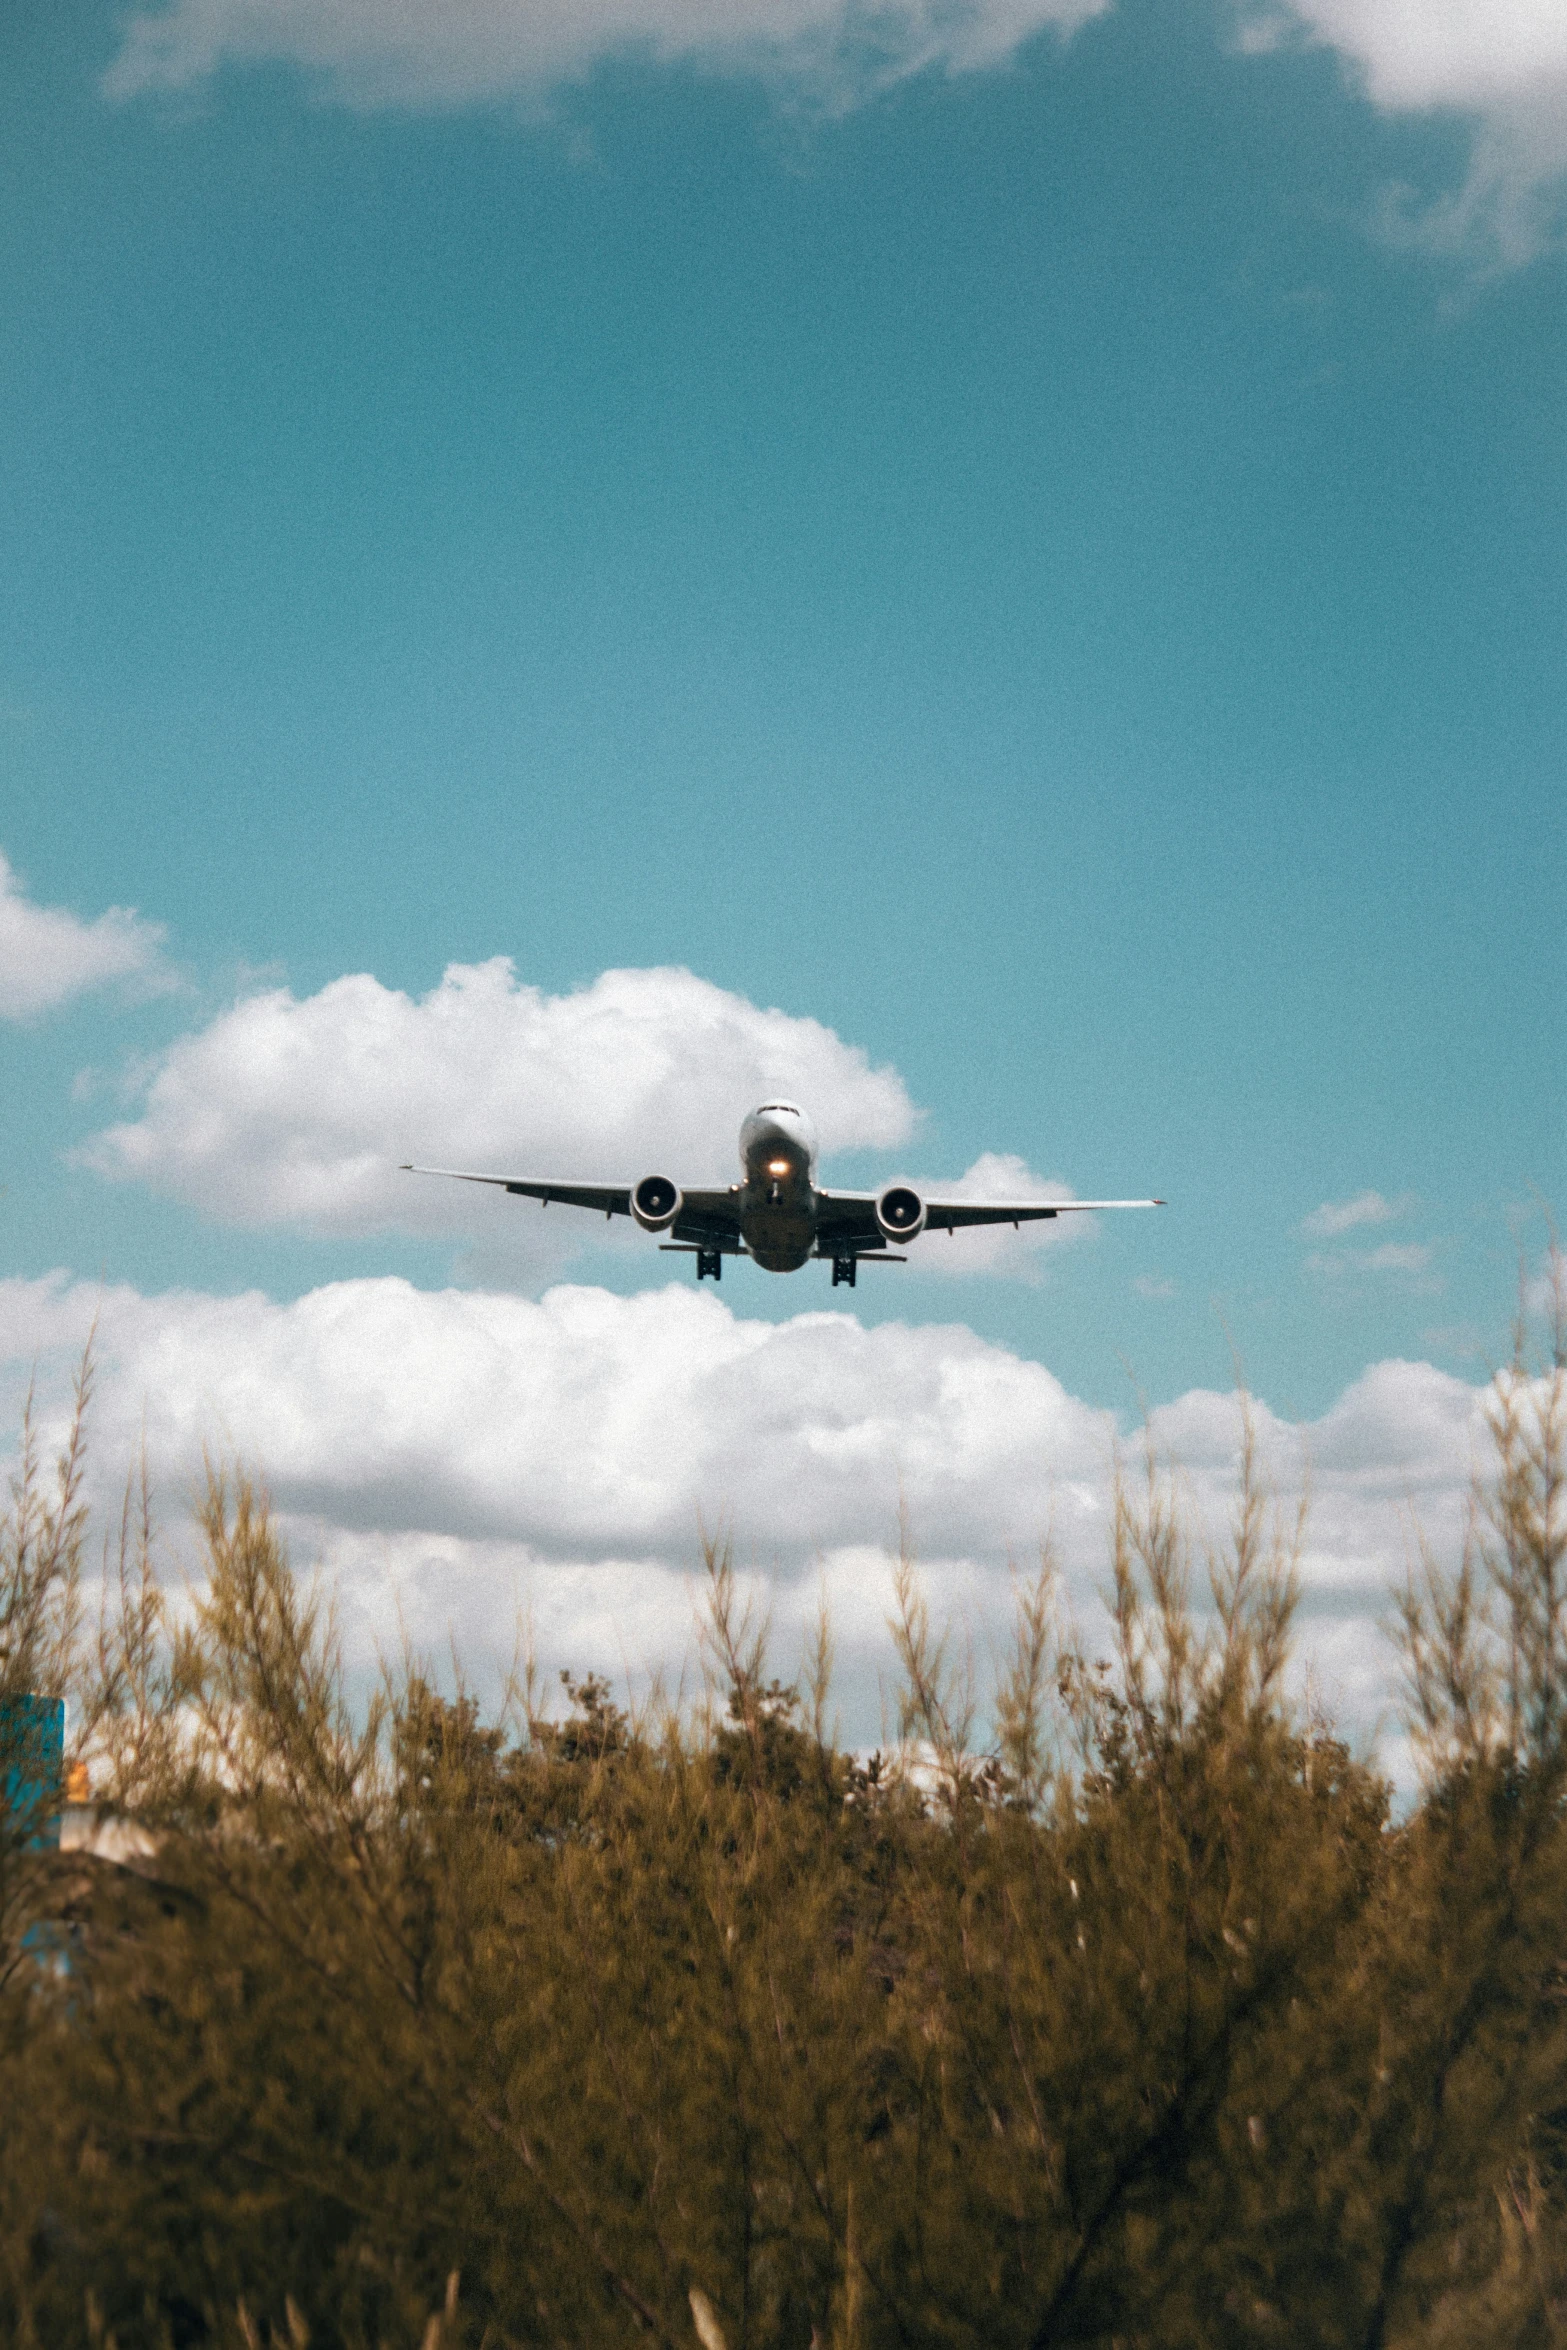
x: 788, y: 1107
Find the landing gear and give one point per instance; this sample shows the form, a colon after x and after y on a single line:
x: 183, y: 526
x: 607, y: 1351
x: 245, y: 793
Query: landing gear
x: 709, y: 1264
x: 843, y: 1270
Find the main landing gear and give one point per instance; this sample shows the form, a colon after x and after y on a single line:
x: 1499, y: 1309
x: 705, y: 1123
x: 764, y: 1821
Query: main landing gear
x: 843, y: 1270
x: 709, y: 1264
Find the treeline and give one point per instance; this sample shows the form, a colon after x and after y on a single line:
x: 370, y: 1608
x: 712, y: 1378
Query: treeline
x: 1140, y: 2020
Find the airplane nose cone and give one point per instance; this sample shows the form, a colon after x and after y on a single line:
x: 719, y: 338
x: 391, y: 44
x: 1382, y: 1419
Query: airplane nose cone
x: 780, y: 1128
x: 776, y: 1131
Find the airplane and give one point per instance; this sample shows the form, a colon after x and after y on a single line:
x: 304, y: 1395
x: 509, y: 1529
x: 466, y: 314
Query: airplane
x: 775, y: 1214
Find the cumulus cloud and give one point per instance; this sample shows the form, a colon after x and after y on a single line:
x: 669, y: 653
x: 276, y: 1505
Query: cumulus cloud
x: 1425, y: 53
x: 285, y: 1110
x: 1502, y: 63
x: 584, y: 1423
x: 48, y: 954
x: 371, y: 53
x: 451, y: 1455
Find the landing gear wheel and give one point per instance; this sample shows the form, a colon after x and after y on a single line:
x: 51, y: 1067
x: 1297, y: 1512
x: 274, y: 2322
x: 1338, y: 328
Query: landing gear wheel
x: 709, y: 1264
x: 843, y: 1270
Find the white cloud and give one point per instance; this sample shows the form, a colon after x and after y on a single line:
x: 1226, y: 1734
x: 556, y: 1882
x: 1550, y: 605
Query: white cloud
x: 301, y: 1111
x: 1338, y: 1216
x: 48, y: 954
x: 1156, y: 1286
x: 1503, y: 63
x: 371, y: 53
x: 1410, y: 1256
x: 1545, y: 1291
x: 1462, y: 53
x: 583, y: 1423
x: 456, y: 1454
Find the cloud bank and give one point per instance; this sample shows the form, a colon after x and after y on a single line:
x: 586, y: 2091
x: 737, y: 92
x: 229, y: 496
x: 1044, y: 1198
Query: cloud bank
x: 450, y: 1455
x: 48, y: 954
x: 446, y: 53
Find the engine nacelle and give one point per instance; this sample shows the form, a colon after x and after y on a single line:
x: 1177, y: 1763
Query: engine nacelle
x: 900, y: 1212
x: 656, y: 1203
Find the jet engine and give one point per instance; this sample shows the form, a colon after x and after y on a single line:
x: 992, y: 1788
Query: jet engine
x: 900, y: 1212
x: 656, y: 1202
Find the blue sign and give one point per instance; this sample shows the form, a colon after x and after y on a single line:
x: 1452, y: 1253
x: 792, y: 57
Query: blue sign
x: 32, y: 1763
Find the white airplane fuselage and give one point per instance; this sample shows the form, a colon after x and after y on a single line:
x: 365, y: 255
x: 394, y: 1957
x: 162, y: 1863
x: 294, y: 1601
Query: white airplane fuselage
x: 778, y: 1187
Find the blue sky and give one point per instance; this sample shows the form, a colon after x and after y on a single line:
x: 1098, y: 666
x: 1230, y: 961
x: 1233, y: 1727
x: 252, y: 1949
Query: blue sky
x: 1052, y: 568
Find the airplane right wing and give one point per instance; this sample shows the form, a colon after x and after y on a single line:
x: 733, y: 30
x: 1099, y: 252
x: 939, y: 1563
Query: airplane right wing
x: 611, y: 1199
x: 706, y: 1219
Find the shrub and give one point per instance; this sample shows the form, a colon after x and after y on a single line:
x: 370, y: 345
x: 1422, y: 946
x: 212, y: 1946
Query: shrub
x: 1146, y: 2024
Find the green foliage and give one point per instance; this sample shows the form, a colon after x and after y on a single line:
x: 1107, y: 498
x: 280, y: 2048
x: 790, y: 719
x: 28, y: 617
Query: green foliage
x: 1146, y: 2025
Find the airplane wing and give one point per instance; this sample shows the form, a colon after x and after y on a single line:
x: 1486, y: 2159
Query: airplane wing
x: 610, y: 1199
x: 851, y: 1215
x: 709, y: 1217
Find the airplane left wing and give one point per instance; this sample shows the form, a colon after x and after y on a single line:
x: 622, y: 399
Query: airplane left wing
x: 952, y: 1215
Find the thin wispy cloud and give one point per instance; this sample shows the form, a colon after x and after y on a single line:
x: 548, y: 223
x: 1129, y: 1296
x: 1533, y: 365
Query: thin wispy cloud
x: 1157, y: 1287
x: 371, y: 53
x: 1545, y: 1290
x: 1335, y: 1217
x: 1501, y: 64
x: 1399, y: 1263
x: 1408, y: 1260
x: 1410, y: 1256
x: 48, y: 954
